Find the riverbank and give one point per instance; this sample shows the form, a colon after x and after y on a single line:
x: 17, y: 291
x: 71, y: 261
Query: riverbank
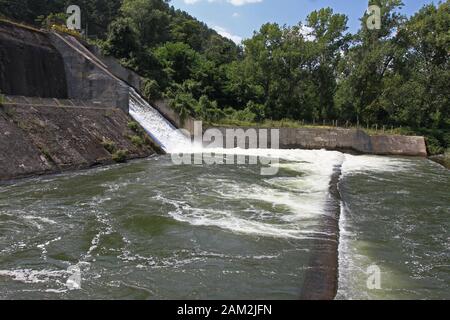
x: 442, y: 159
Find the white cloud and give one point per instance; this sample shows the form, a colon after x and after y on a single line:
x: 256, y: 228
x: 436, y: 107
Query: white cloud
x: 236, y: 3
x: 307, y: 33
x: 236, y: 15
x: 243, y: 2
x: 224, y: 33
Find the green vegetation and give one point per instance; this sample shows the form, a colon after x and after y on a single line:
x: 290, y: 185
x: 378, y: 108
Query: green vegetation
x: 120, y: 156
x: 310, y: 73
x: 109, y: 146
x: 134, y: 126
x: 443, y: 159
x: 141, y: 138
x: 137, y: 141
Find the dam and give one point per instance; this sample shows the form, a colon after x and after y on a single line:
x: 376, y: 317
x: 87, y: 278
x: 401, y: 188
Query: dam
x: 150, y: 229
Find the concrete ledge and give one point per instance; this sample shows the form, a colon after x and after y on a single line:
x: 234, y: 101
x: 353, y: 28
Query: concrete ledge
x: 348, y: 140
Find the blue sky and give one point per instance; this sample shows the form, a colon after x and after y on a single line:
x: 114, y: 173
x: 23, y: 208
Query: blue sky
x: 237, y: 19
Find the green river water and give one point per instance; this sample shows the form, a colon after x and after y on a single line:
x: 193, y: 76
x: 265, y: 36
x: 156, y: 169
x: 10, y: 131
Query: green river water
x: 150, y: 229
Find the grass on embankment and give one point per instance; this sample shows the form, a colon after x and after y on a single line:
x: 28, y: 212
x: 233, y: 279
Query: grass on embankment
x: 298, y: 124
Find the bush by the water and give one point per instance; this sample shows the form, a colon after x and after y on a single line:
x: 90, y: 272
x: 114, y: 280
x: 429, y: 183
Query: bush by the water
x: 134, y: 126
x: 137, y: 141
x: 120, y: 156
x: 109, y: 145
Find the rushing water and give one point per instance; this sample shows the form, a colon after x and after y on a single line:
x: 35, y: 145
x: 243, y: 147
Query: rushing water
x: 161, y: 130
x: 154, y: 230
x: 396, y: 215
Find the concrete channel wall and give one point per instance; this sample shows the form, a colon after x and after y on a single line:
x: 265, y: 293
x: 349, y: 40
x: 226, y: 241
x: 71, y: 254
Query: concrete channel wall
x: 88, y: 78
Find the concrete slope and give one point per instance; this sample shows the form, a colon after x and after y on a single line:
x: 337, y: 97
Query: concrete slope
x: 46, y: 139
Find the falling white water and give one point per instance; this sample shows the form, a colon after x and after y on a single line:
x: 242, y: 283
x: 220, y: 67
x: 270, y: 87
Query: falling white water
x: 159, y: 128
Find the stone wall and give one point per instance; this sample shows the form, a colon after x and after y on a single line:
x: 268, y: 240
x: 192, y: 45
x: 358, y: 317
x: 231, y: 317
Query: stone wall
x: 349, y: 140
x: 48, y: 139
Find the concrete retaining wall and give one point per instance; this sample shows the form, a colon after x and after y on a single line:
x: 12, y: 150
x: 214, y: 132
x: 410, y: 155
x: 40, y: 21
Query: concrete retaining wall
x: 29, y: 64
x: 171, y: 115
x: 348, y: 140
x: 129, y: 76
x: 86, y: 79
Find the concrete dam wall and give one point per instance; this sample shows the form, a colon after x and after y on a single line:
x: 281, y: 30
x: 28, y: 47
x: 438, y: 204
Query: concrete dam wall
x: 61, y: 108
x: 88, y: 78
x: 350, y: 140
x: 322, y: 138
x: 29, y: 64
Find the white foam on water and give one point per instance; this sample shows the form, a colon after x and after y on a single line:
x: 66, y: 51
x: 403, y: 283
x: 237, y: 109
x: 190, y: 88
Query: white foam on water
x: 230, y: 221
x: 368, y: 163
x: 350, y: 260
x: 44, y: 246
x: 304, y: 197
x: 33, y: 276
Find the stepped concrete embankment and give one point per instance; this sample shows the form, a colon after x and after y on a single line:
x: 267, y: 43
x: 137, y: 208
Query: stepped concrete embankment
x: 43, y: 139
x: 61, y: 108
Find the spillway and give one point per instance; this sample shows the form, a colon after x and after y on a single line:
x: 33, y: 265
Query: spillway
x: 159, y: 128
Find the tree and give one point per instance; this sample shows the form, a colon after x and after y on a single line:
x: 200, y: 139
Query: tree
x: 149, y: 18
x: 122, y: 39
x: 178, y: 60
x: 367, y: 63
x: 330, y: 40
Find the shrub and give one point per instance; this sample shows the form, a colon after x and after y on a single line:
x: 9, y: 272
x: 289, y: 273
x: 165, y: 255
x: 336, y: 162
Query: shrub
x: 109, y: 145
x: 183, y: 103
x: 52, y: 19
x: 208, y: 111
x: 258, y: 110
x: 120, y: 156
x: 245, y: 115
x: 434, y: 146
x: 137, y: 141
x: 64, y: 29
x: 151, y: 90
x: 134, y: 126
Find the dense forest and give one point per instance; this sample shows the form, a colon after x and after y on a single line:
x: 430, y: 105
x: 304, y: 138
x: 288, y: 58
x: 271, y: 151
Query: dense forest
x: 313, y: 72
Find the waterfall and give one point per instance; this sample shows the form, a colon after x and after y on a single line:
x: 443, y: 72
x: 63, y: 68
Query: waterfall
x: 159, y: 128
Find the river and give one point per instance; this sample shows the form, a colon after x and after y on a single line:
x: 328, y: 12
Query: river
x: 151, y: 229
